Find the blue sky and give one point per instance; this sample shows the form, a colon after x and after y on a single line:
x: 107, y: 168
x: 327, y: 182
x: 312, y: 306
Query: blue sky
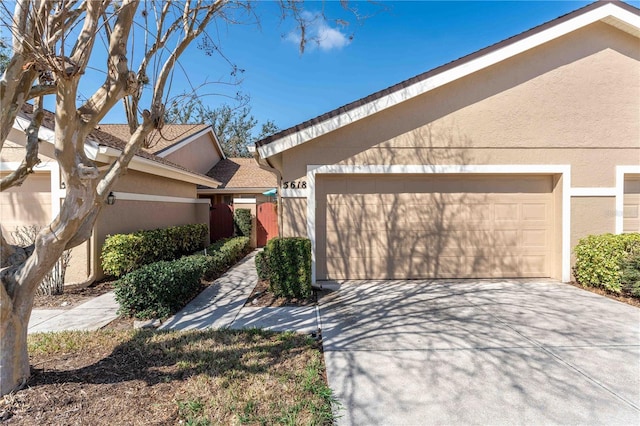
x: 395, y: 42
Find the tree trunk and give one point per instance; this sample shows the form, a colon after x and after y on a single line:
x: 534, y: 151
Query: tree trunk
x: 14, y: 359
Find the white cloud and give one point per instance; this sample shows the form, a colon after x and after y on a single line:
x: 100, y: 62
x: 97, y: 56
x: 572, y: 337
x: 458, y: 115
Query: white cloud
x: 319, y: 34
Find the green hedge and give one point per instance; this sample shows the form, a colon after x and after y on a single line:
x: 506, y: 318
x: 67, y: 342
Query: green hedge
x: 123, y: 253
x: 286, y: 262
x: 599, y: 259
x: 160, y: 289
x: 630, y: 278
x: 242, y: 222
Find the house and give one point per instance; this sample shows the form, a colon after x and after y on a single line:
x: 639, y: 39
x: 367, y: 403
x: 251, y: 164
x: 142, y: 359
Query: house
x: 491, y: 166
x: 161, y: 188
x: 243, y: 184
x: 154, y: 193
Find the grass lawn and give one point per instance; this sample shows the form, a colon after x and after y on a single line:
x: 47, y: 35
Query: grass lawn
x: 167, y: 378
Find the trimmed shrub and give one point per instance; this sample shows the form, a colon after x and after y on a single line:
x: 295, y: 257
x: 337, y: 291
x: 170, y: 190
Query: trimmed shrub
x: 224, y: 254
x: 599, y: 259
x: 123, y: 253
x: 242, y: 222
x: 261, y: 265
x: 630, y: 278
x: 160, y: 289
x: 288, y: 266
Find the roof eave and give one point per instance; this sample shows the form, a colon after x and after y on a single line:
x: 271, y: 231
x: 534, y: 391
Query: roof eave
x: 624, y: 18
x: 141, y: 164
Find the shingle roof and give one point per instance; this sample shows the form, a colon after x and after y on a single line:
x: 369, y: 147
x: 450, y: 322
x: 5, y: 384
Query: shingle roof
x: 170, y: 134
x: 108, y: 139
x: 420, y: 77
x: 242, y: 173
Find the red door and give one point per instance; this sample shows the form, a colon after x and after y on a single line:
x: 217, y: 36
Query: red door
x: 220, y: 221
x: 267, y: 221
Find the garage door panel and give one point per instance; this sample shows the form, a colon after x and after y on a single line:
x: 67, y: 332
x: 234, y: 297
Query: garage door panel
x: 631, y: 202
x: 485, y: 232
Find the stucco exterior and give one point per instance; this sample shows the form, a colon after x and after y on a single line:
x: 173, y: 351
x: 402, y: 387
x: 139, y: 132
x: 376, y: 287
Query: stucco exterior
x: 566, y: 110
x: 197, y: 155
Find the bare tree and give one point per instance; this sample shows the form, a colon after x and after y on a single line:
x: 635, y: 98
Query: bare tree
x: 52, y: 44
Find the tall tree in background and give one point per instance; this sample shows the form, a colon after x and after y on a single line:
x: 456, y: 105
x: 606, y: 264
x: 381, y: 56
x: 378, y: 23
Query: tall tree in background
x: 235, y: 127
x: 52, y: 43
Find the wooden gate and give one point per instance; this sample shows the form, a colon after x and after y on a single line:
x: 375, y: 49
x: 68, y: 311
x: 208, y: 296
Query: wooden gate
x: 267, y: 222
x: 220, y: 221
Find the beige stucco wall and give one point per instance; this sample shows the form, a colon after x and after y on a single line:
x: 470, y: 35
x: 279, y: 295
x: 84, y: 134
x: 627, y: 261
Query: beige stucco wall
x: 575, y: 101
x: 546, y: 106
x: 144, y: 215
x: 199, y: 155
x: 28, y: 204
x: 143, y: 183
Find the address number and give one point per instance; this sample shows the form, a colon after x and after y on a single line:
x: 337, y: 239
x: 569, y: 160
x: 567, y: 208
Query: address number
x: 294, y: 184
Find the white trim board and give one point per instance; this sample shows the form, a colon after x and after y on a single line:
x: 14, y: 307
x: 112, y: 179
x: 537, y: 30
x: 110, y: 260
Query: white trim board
x: 45, y: 166
x: 130, y: 196
x: 244, y: 201
x: 621, y: 171
x: 593, y: 192
x: 563, y: 170
x: 609, y: 13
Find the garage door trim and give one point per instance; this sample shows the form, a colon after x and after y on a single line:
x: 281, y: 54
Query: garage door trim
x: 621, y: 171
x: 563, y: 170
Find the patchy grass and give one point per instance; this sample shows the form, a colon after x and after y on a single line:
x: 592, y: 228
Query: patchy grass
x: 150, y: 377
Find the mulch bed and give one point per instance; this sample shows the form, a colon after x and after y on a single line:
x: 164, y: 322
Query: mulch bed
x: 261, y: 296
x: 73, y: 297
x: 629, y: 300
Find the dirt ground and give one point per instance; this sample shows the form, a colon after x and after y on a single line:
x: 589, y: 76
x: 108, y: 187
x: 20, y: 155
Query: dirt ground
x: 73, y: 297
x: 168, y: 378
x: 261, y: 296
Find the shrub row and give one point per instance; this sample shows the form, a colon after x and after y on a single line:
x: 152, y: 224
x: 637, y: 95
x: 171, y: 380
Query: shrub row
x: 242, y: 222
x: 286, y: 264
x: 630, y: 277
x: 160, y: 289
x: 123, y: 253
x: 601, y: 259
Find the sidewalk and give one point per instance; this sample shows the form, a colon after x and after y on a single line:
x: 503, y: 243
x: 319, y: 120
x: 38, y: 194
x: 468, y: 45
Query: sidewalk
x: 91, y: 315
x: 220, y: 305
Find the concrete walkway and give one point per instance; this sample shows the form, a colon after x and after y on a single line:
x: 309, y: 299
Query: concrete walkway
x: 91, y: 315
x: 221, y: 305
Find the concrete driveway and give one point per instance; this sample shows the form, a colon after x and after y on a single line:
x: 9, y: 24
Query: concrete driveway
x: 480, y: 352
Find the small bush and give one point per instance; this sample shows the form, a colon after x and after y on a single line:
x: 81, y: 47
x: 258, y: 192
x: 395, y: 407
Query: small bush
x: 123, y: 253
x: 242, y: 222
x: 630, y: 278
x: 599, y: 259
x: 160, y: 289
x: 287, y: 263
x: 261, y: 265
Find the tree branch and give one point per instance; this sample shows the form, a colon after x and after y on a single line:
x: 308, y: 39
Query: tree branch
x: 18, y: 176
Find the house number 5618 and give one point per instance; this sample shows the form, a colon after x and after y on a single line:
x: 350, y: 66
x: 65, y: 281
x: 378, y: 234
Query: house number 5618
x: 294, y: 184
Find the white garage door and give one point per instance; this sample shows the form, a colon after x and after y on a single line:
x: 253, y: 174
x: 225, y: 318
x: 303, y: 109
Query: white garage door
x: 381, y: 227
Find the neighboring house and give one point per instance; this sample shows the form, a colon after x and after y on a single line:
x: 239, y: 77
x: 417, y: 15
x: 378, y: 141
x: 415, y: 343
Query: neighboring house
x: 241, y: 181
x: 493, y: 165
x: 166, y: 185
x: 154, y: 193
